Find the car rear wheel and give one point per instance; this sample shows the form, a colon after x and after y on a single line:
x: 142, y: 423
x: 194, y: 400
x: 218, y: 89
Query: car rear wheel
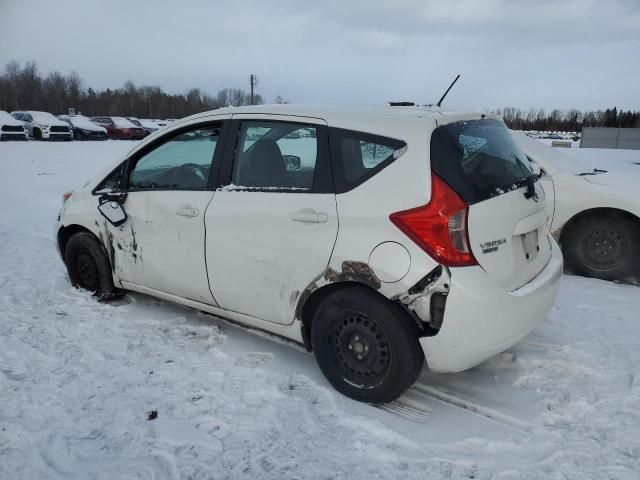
x: 89, y: 267
x: 606, y: 247
x: 365, y: 346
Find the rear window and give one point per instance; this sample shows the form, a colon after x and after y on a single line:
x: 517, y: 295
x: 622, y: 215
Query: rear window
x: 478, y: 159
x: 358, y: 156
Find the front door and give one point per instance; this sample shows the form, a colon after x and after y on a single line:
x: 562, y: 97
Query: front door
x: 161, y: 244
x: 271, y: 230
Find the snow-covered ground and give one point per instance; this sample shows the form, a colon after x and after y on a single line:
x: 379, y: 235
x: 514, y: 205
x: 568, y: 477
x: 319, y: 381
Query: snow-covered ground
x: 78, y: 379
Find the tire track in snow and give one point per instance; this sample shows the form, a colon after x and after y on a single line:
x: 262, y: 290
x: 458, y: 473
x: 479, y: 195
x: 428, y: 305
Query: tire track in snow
x: 471, y: 407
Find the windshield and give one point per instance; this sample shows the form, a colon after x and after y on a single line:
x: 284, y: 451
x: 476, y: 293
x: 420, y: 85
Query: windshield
x: 549, y: 158
x: 478, y: 159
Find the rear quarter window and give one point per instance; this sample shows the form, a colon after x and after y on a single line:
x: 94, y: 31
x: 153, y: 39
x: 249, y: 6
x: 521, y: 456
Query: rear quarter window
x: 357, y: 156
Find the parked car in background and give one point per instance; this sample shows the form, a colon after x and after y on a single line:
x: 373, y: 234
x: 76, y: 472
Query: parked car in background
x: 160, y: 123
x: 594, y: 213
x: 443, y: 250
x: 120, y: 128
x: 148, y: 125
x: 44, y: 126
x: 12, y: 129
x: 83, y: 128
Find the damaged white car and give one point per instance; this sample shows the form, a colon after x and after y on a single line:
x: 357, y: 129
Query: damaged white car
x: 594, y: 213
x: 378, y: 238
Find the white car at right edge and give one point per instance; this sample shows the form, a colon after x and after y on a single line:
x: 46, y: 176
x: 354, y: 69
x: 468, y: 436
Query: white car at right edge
x: 380, y: 239
x: 594, y: 213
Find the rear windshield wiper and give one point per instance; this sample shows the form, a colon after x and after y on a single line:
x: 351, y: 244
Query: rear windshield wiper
x: 528, y: 182
x: 596, y: 171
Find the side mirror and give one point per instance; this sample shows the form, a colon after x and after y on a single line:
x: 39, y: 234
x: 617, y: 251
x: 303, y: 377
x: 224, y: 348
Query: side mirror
x: 110, y: 206
x: 292, y: 162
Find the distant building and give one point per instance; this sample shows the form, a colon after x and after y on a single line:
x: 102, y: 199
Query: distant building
x: 623, y: 138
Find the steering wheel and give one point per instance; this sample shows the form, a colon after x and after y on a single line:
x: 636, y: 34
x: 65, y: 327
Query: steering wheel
x: 188, y: 175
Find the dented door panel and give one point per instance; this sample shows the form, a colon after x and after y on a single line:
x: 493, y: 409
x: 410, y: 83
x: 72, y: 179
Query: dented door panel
x: 260, y: 261
x: 159, y: 247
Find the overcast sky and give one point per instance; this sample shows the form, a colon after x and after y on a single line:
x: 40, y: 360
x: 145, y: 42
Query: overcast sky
x: 550, y: 53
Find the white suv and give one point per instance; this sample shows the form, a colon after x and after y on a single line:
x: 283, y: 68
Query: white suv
x: 378, y: 238
x: 44, y: 126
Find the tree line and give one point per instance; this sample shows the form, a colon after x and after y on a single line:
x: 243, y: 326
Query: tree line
x: 567, y: 120
x: 23, y: 87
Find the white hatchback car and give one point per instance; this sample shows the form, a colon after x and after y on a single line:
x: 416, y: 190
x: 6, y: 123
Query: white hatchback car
x: 378, y: 238
x: 594, y: 213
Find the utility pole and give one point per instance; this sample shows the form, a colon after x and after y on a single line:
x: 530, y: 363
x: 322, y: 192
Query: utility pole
x: 253, y: 80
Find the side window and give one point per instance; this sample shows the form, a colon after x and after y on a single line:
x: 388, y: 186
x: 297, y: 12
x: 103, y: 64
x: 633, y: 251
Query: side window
x: 276, y: 155
x: 360, y: 155
x: 181, y: 162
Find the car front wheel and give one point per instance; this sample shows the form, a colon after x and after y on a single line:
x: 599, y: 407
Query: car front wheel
x: 366, y: 347
x: 89, y: 267
x: 606, y: 247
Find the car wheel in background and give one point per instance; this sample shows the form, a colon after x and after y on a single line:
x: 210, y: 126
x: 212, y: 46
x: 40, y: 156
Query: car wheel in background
x: 365, y: 345
x: 603, y: 246
x: 37, y: 134
x: 89, y: 267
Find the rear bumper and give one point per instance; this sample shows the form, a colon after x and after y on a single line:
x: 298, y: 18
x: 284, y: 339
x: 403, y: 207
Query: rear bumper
x: 482, y: 320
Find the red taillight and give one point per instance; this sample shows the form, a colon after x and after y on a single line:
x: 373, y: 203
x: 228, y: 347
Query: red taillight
x: 440, y: 226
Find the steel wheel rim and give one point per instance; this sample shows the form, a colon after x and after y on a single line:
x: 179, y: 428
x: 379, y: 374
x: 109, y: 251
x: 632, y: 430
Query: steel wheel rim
x: 86, y: 270
x: 604, y: 249
x: 360, y: 350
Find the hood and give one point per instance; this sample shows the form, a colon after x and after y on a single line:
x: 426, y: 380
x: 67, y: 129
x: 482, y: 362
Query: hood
x: 89, y: 128
x: 628, y: 179
x: 49, y: 122
x: 6, y: 119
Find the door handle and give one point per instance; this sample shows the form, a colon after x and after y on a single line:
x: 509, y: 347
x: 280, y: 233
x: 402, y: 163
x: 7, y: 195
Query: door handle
x: 309, y: 215
x: 187, y: 211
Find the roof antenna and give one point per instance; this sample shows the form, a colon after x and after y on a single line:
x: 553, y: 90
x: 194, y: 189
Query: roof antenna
x: 445, y: 93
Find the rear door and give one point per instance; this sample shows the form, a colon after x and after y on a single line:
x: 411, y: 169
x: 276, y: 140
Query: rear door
x: 272, y: 226
x: 507, y: 221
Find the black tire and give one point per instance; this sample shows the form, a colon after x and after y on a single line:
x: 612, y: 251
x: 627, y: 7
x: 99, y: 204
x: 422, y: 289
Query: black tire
x: 603, y: 246
x: 89, y: 267
x: 366, y: 346
x: 37, y: 134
